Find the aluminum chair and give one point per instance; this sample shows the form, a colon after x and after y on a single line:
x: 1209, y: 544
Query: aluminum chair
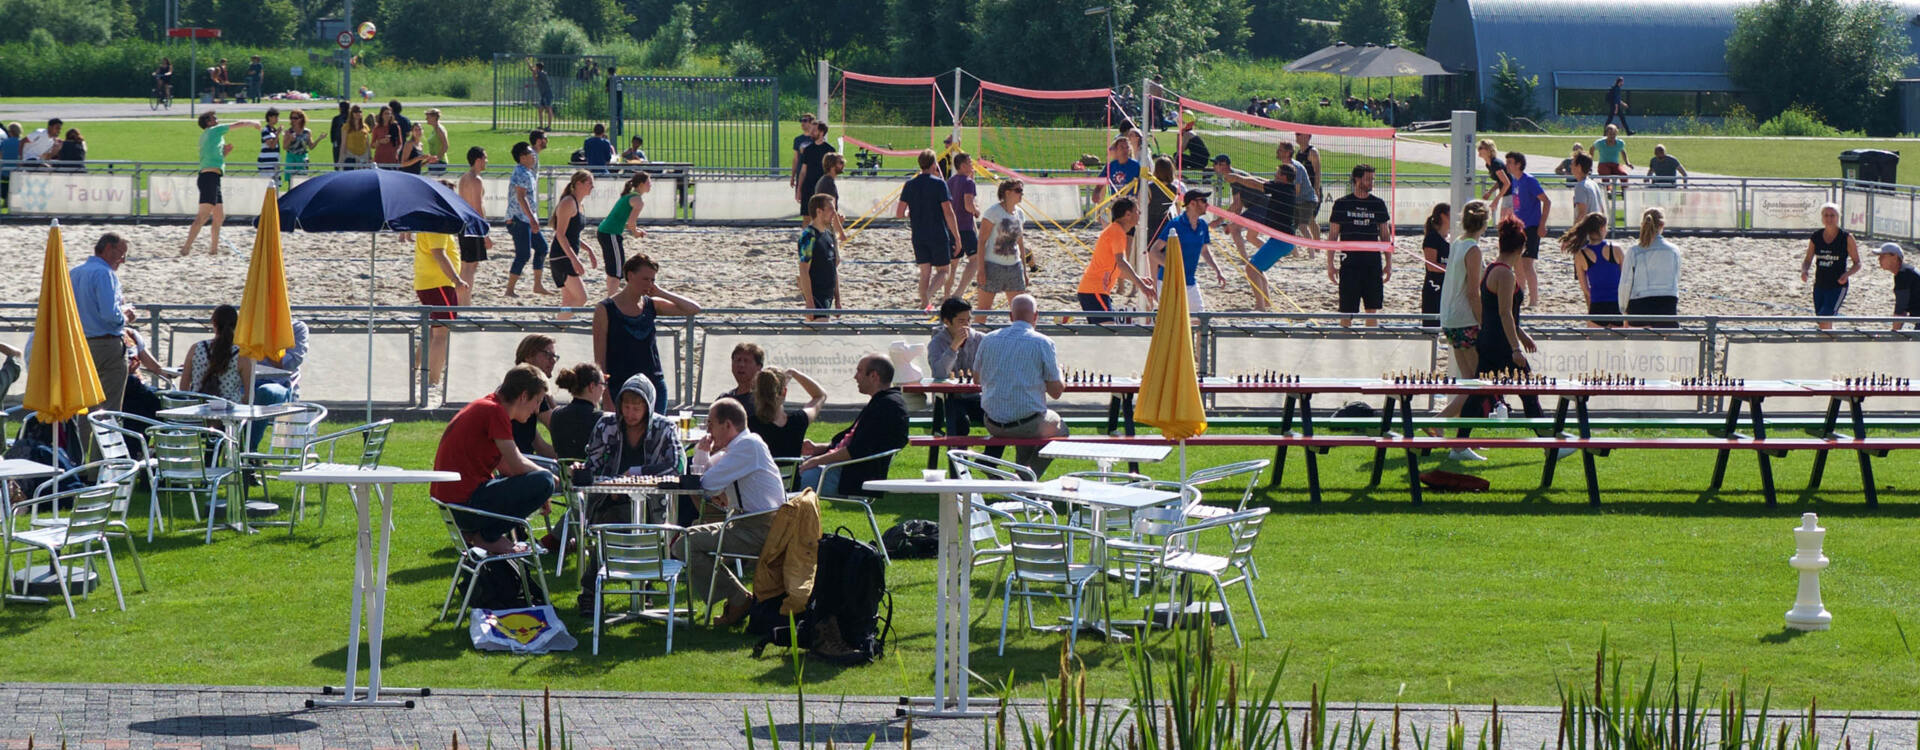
x: 81, y: 537
x: 966, y: 463
x: 114, y: 440
x: 1133, y: 559
x: 1119, y: 523
x: 847, y: 496
x: 1181, y: 555
x: 175, y: 399
x: 1250, y: 469
x: 290, y: 447
x: 373, y: 444
x: 738, y: 559
x: 190, y: 460
x: 474, y: 559
x: 634, y: 555
x: 1044, y: 555
x: 123, y: 474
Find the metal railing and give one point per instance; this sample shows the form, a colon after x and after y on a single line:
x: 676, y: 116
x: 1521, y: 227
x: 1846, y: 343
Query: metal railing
x: 1315, y: 344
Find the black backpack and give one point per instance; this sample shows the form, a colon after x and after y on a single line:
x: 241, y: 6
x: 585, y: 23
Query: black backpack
x: 842, y: 623
x: 912, y: 538
x: 501, y: 583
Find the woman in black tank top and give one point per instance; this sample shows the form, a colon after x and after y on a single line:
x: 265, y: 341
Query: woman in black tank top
x: 1502, y: 343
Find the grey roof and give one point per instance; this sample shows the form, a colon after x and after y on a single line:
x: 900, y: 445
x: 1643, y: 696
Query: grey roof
x: 1672, y: 44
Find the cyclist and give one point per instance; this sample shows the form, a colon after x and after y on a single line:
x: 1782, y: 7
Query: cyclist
x: 163, y: 81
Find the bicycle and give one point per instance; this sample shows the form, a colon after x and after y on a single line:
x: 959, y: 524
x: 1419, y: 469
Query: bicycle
x: 160, y: 97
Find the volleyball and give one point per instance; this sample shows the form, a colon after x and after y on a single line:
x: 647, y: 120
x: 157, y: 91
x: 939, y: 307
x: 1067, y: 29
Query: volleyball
x: 367, y: 30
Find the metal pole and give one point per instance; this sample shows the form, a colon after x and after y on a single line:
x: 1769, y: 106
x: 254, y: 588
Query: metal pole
x: 1113, y: 57
x: 346, y: 94
x: 1460, y: 177
x: 773, y: 134
x: 193, y: 85
x: 953, y: 105
x: 822, y: 74
x: 1138, y: 249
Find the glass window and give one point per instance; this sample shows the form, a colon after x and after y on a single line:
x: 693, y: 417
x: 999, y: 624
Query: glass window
x: 1593, y: 102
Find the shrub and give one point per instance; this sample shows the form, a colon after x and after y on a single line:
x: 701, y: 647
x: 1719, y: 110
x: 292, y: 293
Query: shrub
x: 1513, y: 89
x: 559, y: 36
x: 744, y: 59
x: 675, y: 40
x: 1800, y: 122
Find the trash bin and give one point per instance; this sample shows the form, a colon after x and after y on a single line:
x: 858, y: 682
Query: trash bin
x: 1869, y: 165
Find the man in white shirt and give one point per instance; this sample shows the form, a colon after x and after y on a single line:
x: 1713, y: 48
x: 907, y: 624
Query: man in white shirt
x: 43, y: 143
x: 739, y: 461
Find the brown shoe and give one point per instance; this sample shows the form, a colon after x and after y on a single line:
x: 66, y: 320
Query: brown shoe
x: 734, y: 614
x: 550, y: 543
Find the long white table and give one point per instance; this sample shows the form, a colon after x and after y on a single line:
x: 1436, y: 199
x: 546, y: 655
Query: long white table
x: 951, y: 620
x: 1105, y: 455
x: 369, y: 582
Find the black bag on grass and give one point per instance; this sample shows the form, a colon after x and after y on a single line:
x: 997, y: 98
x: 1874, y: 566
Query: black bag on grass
x: 912, y: 538
x: 500, y: 587
x: 842, y: 623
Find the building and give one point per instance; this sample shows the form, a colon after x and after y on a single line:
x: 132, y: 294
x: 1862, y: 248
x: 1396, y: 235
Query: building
x: 1673, y: 53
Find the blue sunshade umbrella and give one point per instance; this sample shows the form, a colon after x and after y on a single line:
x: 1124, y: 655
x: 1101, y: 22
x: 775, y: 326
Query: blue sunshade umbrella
x: 373, y: 201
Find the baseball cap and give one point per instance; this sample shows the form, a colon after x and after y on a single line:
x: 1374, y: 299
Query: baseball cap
x: 1222, y: 159
x: 1193, y: 195
x: 1891, y: 248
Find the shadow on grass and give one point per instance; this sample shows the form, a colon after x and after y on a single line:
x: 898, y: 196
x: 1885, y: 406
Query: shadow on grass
x: 223, y: 726
x: 1783, y: 635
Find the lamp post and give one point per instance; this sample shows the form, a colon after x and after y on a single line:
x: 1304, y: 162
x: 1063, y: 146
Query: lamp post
x: 1112, y: 57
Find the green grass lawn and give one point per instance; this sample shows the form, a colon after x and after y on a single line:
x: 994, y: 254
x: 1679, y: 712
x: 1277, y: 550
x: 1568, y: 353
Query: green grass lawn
x: 1741, y: 157
x: 1465, y: 599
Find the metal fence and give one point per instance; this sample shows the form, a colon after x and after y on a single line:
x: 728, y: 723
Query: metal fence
x: 697, y: 348
x: 580, y: 86
x: 713, y: 122
x: 759, y: 194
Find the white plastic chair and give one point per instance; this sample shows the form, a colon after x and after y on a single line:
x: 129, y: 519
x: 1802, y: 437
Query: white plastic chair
x: 114, y: 440
x: 122, y: 474
x: 633, y: 555
x: 846, y: 495
x: 189, y: 460
x: 1044, y: 555
x: 474, y: 559
x: 1181, y: 555
x: 81, y: 537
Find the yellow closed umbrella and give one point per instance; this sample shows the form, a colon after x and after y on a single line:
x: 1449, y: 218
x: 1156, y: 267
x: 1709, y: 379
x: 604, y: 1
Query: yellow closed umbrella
x: 1170, y: 384
x: 266, y: 314
x: 61, y: 380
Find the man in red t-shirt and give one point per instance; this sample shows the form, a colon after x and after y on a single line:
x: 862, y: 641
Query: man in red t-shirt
x: 478, y: 443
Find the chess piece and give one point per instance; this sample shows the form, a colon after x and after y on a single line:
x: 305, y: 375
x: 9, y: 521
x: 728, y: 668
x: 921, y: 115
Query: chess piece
x: 905, y: 358
x: 1808, y: 612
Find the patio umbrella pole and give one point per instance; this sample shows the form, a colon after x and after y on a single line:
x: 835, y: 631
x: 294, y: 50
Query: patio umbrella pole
x: 373, y: 245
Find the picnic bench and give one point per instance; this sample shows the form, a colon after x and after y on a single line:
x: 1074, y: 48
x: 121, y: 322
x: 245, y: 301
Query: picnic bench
x: 1551, y: 434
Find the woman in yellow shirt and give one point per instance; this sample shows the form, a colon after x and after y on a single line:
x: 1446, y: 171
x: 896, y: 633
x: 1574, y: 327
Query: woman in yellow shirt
x: 356, y: 142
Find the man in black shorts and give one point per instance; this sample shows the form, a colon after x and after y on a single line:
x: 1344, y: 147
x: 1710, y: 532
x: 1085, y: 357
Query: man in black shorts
x: 472, y: 249
x: 1360, y: 216
x: 936, y: 234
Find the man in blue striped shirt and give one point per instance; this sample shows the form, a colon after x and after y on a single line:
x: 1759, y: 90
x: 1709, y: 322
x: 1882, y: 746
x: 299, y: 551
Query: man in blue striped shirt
x: 1018, y: 371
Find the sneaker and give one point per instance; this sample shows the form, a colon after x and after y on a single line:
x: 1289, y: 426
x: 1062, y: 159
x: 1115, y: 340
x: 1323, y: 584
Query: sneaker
x: 1564, y: 453
x: 1465, y: 454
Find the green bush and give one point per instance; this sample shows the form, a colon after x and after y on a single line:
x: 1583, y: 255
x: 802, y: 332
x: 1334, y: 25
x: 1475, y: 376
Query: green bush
x: 675, y: 40
x: 77, y: 22
x: 1797, y: 122
x: 745, y: 59
x: 559, y: 36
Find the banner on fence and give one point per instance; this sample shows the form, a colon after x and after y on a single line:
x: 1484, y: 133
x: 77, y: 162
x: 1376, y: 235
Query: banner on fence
x: 1317, y: 358
x: 1892, y: 214
x: 1820, y: 360
x: 179, y: 194
x: 70, y: 194
x: 1853, y: 208
x: 1653, y: 359
x: 1788, y: 208
x: 744, y: 200
x: 1692, y: 208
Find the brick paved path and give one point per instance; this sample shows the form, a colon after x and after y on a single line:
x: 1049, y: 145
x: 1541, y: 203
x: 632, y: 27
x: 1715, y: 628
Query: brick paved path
x: 184, y: 717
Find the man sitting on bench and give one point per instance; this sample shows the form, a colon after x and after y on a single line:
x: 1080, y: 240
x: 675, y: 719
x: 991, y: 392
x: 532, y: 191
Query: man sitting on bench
x: 880, y: 427
x: 1018, y: 372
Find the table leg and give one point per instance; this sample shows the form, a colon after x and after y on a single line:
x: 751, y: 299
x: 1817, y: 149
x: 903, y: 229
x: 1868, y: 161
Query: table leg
x: 370, y: 595
x: 1866, y: 459
x: 1313, y: 457
x: 1553, y: 455
x: 1113, y: 414
x: 1766, y: 459
x: 1826, y: 432
x: 1720, y: 461
x: 1386, y: 431
x: 1413, y: 454
x: 1586, y: 456
x: 951, y: 621
x: 1280, y: 450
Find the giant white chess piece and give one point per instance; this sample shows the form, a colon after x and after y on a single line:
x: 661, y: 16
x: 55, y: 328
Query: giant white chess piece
x: 1808, y: 612
x: 905, y: 358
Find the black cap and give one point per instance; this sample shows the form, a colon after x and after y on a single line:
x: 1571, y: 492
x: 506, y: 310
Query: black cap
x: 1193, y: 195
x: 1222, y: 159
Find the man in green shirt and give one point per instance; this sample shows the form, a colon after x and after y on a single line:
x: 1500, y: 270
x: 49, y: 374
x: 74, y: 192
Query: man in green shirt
x: 213, y: 162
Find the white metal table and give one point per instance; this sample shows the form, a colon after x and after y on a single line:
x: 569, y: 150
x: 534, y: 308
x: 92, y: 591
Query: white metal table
x: 1106, y: 454
x: 233, y: 419
x: 20, y: 468
x: 1100, y: 498
x: 369, y: 581
x: 951, y: 621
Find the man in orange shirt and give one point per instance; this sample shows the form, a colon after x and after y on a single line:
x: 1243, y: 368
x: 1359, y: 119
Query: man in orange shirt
x: 1109, y: 263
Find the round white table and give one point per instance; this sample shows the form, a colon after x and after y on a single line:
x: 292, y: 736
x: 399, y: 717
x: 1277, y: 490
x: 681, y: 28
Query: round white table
x: 369, y: 582
x: 20, y: 468
x: 951, y: 621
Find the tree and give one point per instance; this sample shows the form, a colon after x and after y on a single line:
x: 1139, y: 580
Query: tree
x: 601, y: 19
x: 266, y: 23
x: 675, y: 40
x: 1230, y: 32
x: 1371, y: 21
x: 1844, y: 56
x: 928, y: 36
x: 1513, y: 89
x: 66, y: 21
x: 796, y: 36
x: 1279, y: 32
x: 436, y: 30
x: 1418, y: 17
